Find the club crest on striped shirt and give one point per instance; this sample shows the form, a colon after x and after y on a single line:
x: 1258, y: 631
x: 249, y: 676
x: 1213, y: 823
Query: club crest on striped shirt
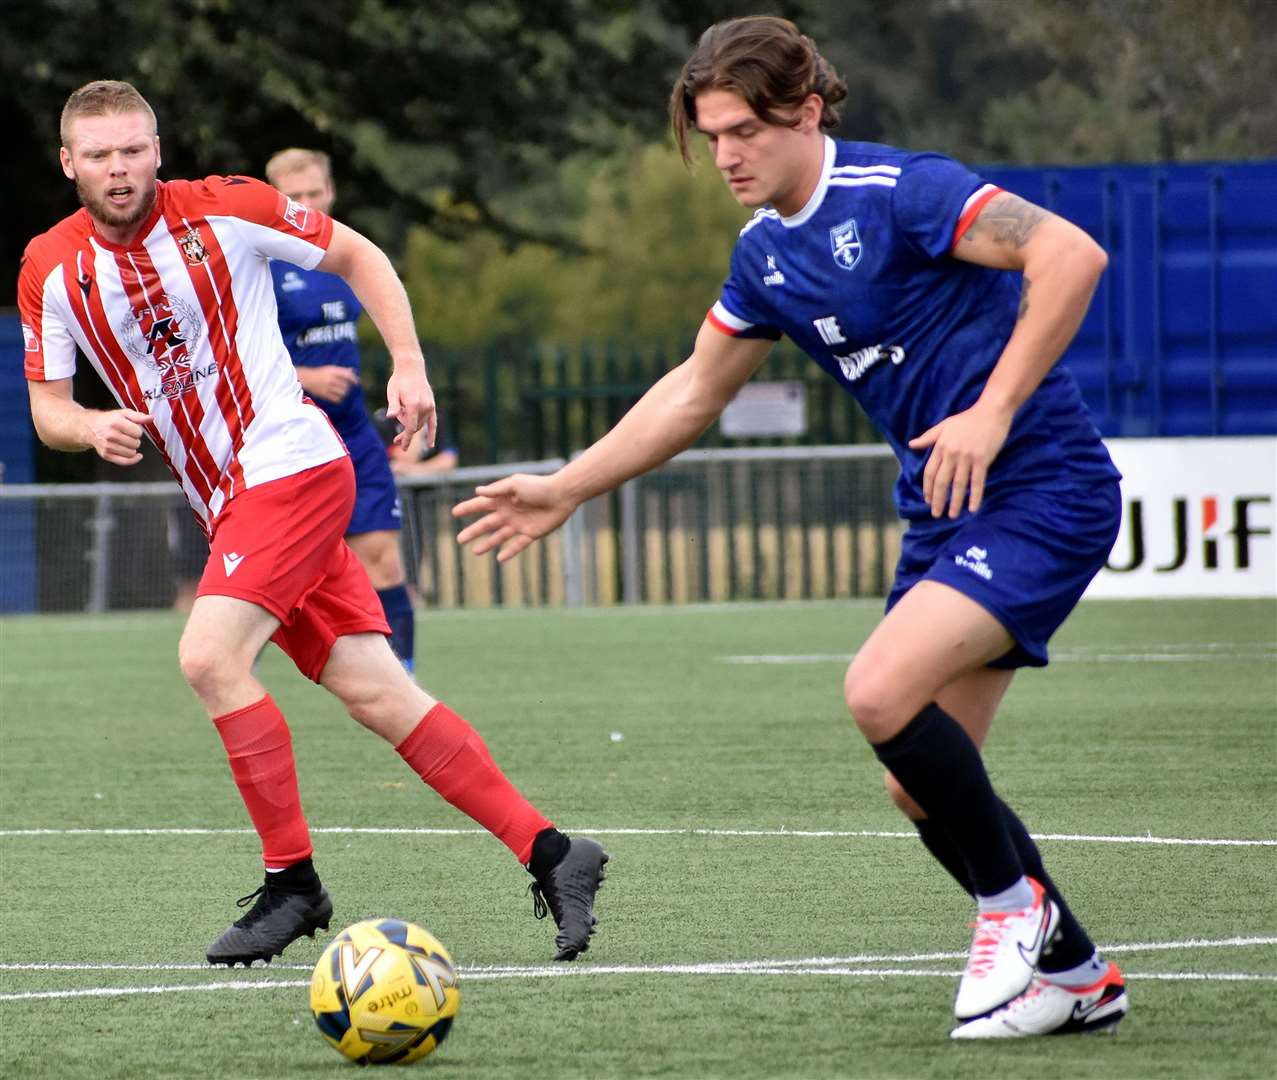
x: 192, y: 247
x: 164, y: 335
x: 845, y: 241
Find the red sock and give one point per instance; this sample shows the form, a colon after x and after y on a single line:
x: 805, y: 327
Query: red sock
x: 261, y: 754
x: 448, y: 754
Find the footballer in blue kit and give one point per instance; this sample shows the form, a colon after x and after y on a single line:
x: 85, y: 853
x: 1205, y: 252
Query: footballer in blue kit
x: 863, y: 280
x: 941, y: 303
x: 318, y: 317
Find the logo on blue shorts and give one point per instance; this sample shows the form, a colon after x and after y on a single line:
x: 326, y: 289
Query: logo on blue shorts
x: 975, y: 561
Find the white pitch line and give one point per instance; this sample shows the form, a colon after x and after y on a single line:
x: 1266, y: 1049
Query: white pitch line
x: 812, y: 962
x: 126, y: 991
x: 817, y: 834
x: 1209, y: 652
x: 1190, y: 943
x: 562, y: 971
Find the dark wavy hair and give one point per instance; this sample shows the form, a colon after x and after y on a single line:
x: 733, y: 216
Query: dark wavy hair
x: 767, y: 61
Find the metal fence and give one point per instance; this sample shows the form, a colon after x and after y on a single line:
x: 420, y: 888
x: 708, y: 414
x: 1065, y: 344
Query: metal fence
x: 529, y: 401
x: 711, y: 525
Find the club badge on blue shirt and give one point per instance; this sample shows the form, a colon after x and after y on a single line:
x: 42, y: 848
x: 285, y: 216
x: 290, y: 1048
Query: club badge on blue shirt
x: 845, y: 241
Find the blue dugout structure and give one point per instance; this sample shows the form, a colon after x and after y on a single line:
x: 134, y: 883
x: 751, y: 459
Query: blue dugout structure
x: 1181, y: 338
x: 17, y: 466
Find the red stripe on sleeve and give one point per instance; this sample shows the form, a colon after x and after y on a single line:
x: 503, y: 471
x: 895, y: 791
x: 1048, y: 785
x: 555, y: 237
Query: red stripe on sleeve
x: 964, y: 222
x: 719, y: 325
x: 31, y: 312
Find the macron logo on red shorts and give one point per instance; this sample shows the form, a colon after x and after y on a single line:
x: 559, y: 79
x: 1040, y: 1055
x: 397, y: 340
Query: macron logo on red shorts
x: 231, y: 562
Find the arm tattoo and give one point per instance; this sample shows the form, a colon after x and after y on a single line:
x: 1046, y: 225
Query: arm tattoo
x: 1024, y: 300
x: 1007, y: 219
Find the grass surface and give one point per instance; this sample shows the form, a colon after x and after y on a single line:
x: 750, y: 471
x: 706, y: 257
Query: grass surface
x: 812, y: 955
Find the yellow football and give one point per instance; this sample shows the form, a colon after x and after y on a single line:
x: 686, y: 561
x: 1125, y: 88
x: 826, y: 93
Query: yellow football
x: 384, y: 992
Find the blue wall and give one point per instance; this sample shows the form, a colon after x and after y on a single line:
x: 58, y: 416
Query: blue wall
x: 1181, y: 338
x: 17, y: 437
x: 17, y: 455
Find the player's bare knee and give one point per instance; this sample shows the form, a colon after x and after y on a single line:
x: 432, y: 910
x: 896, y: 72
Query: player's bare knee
x: 870, y: 704
x: 367, y: 708
x: 355, y: 691
x: 202, y: 667
x: 369, y: 701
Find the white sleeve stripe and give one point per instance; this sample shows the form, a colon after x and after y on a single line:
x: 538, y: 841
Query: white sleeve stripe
x: 975, y: 197
x: 865, y: 170
x: 727, y: 318
x: 862, y: 181
x: 55, y: 339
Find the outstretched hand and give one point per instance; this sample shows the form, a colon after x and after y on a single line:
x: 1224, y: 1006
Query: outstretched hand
x: 516, y: 511
x: 963, y: 446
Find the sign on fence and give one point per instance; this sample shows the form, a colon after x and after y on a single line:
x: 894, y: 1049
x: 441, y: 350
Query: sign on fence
x: 766, y: 409
x: 1197, y: 520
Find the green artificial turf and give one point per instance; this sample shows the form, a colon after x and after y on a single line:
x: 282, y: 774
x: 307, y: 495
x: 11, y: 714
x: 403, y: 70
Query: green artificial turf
x: 767, y: 913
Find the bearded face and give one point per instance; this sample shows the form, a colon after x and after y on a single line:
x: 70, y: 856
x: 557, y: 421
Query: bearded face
x: 113, y: 160
x: 104, y: 207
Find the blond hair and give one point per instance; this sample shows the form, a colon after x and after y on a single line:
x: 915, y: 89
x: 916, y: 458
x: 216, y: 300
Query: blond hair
x: 292, y: 160
x: 102, y: 97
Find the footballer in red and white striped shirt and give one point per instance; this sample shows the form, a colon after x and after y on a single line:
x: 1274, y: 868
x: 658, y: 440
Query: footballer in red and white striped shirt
x: 165, y: 287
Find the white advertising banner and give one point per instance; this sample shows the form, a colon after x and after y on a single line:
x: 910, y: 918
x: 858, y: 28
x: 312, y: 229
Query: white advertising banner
x: 1197, y: 519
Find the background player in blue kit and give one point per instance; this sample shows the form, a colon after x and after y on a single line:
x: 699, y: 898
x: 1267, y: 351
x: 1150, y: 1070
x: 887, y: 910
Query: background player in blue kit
x: 318, y: 315
x: 889, y: 268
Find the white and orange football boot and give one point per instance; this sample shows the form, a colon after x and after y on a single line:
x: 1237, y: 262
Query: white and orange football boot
x: 1046, y: 1008
x: 1004, y: 955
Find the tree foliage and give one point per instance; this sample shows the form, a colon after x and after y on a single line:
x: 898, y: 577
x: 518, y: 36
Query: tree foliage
x: 1058, y: 81
x: 1139, y: 80
x: 469, y: 99
x: 654, y: 245
x: 514, y: 154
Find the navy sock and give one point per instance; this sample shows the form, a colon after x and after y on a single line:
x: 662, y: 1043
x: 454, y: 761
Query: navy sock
x: 1071, y: 945
x: 397, y: 605
x: 937, y: 763
x: 935, y: 838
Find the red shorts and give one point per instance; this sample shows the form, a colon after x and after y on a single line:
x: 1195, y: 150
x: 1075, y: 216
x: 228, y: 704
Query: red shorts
x: 279, y: 545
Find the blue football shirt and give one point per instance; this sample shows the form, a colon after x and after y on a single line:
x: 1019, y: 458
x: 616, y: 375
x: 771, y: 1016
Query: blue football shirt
x: 862, y: 280
x: 318, y: 316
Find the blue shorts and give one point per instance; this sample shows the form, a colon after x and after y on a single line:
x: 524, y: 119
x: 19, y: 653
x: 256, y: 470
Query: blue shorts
x: 376, y: 498
x: 1026, y: 557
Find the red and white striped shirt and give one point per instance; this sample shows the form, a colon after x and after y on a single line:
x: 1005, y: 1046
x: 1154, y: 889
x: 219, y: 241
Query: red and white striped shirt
x: 182, y: 324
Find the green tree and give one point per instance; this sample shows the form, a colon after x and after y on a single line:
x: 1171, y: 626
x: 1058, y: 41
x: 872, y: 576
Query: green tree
x: 657, y: 244
x: 1139, y: 80
x: 475, y: 98
x: 650, y: 252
